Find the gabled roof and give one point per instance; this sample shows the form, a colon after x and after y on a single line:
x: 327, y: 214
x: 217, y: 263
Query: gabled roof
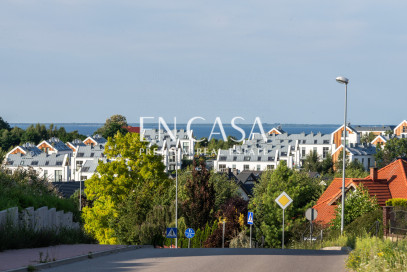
x: 56, y: 144
x: 391, y: 182
x: 404, y: 122
x: 396, y: 175
x: 27, y: 148
x: 348, y: 126
x: 132, y: 129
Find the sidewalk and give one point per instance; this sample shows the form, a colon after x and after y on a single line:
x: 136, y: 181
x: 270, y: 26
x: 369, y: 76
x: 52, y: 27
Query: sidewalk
x: 22, y: 258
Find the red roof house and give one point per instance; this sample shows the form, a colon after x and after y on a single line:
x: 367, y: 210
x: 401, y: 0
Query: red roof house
x: 132, y: 129
x: 385, y: 183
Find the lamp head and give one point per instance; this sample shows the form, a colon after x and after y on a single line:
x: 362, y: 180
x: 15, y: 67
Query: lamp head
x: 342, y: 80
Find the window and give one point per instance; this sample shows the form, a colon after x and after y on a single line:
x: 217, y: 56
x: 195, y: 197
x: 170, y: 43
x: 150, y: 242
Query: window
x: 247, y: 158
x: 326, y: 141
x: 83, y: 177
x: 78, y: 164
x: 92, y: 155
x: 47, y: 163
x: 368, y: 162
x: 34, y: 163
x: 233, y: 166
x: 258, y: 167
x: 234, y: 158
x: 363, y: 161
x: 404, y: 129
x: 172, y: 158
x: 58, y: 175
x: 80, y: 155
x: 315, y: 150
x: 222, y: 158
x: 259, y: 158
x: 171, y: 167
x: 85, y: 169
x: 303, y: 151
x: 270, y: 167
x: 222, y: 167
x: 246, y: 167
x: 270, y: 158
x: 22, y: 163
x: 59, y: 163
x: 45, y: 173
x: 325, y: 152
x: 303, y: 141
x: 315, y: 141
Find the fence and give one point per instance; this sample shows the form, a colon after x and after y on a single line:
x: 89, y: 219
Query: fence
x: 39, y: 219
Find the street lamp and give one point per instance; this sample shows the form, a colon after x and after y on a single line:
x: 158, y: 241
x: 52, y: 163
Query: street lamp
x: 343, y: 80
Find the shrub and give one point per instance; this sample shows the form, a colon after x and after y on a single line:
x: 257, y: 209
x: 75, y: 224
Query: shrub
x: 400, y: 202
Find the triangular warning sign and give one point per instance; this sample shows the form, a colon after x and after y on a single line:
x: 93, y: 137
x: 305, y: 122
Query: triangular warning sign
x: 171, y: 233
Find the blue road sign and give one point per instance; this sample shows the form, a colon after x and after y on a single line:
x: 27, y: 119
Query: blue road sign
x: 171, y: 233
x: 250, y: 218
x: 189, y: 233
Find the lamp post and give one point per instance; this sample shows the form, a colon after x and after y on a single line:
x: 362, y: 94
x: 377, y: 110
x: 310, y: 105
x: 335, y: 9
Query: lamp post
x: 343, y: 80
x: 176, y: 193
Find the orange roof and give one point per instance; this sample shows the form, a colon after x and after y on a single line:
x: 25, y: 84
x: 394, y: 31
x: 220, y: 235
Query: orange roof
x: 391, y: 182
x: 395, y: 173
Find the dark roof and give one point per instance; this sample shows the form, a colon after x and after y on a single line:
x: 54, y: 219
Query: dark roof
x: 67, y: 188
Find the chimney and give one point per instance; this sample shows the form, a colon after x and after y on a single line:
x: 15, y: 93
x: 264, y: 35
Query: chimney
x: 373, y: 173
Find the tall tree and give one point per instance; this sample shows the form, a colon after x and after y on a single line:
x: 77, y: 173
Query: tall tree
x: 199, y: 206
x: 393, y: 149
x: 302, y: 189
x: 112, y: 125
x: 4, y: 124
x: 132, y: 178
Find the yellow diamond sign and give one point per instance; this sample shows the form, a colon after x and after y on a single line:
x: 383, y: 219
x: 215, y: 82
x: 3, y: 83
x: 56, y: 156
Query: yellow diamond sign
x: 283, y: 200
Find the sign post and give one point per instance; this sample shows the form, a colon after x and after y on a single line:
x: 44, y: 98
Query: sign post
x: 283, y: 200
x: 171, y: 233
x: 250, y: 222
x: 189, y: 233
x: 311, y: 214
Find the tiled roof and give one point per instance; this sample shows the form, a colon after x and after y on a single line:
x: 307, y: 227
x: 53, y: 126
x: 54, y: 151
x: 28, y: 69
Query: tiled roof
x: 133, y: 129
x: 391, y: 182
x: 395, y: 173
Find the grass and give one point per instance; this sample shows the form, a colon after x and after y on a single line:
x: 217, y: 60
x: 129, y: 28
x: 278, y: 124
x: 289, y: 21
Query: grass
x: 25, y: 189
x: 377, y: 254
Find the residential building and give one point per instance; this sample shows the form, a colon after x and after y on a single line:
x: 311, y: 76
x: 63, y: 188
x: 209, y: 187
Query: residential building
x: 385, y: 183
x: 376, y: 130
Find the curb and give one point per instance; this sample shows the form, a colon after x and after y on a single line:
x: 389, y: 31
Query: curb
x: 347, y: 249
x: 77, y: 258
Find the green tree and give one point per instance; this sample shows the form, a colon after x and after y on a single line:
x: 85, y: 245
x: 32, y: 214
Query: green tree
x: 353, y: 169
x: 132, y: 177
x: 4, y: 124
x: 394, y: 148
x: 368, y: 138
x: 224, y: 188
x: 304, y: 191
x: 200, y: 202
x: 112, y: 125
x: 312, y: 163
x: 357, y: 203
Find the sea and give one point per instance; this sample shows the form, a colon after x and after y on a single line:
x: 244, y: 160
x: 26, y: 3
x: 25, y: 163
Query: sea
x: 201, y: 130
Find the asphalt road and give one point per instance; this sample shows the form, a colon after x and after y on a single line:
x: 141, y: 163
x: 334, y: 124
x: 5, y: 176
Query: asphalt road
x: 216, y: 259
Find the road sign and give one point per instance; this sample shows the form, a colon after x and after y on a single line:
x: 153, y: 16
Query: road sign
x: 311, y: 214
x: 250, y: 218
x: 283, y: 200
x: 189, y: 233
x: 171, y: 233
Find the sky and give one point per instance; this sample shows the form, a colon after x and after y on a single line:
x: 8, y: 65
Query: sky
x: 83, y: 61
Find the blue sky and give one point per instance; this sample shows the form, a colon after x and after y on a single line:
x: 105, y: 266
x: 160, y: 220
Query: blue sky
x: 82, y: 61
